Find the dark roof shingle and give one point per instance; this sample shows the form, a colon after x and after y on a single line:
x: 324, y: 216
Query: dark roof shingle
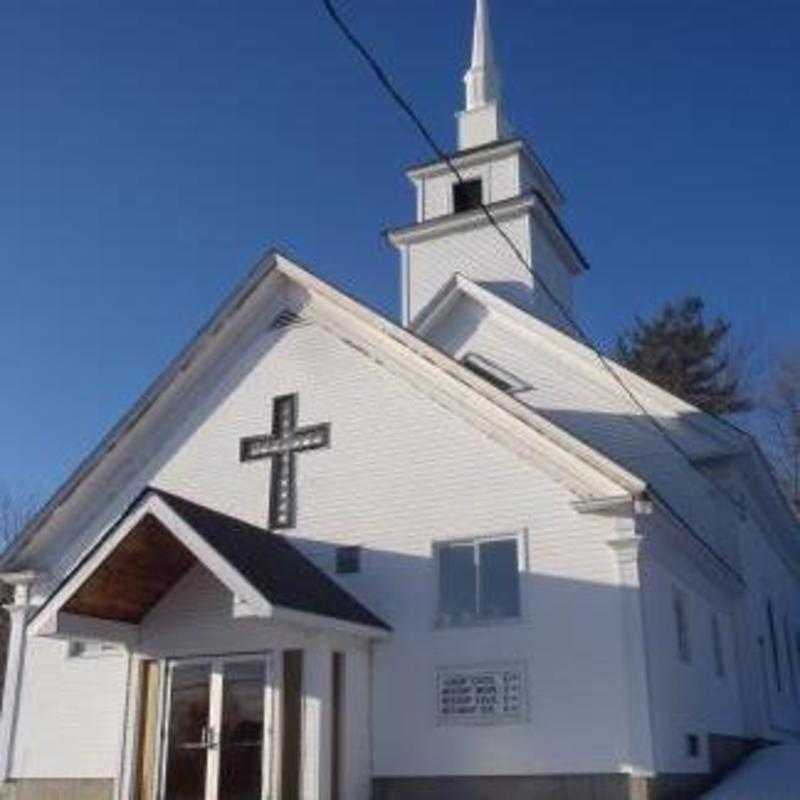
x: 272, y: 565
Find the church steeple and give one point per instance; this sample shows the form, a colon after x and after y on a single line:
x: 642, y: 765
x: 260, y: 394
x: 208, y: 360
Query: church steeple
x: 482, y: 80
x: 452, y: 233
x: 482, y: 121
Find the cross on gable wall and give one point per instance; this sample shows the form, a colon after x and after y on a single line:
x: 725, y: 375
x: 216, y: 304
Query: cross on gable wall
x: 282, y: 446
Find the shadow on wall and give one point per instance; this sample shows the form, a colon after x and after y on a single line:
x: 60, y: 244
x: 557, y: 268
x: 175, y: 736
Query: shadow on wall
x: 535, y: 301
x: 570, y: 637
x: 6, y: 596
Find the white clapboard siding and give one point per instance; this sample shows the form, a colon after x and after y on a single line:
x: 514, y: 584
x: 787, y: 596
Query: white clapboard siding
x: 501, y: 181
x: 688, y: 698
x: 769, y: 579
x: 585, y: 401
x: 476, y: 252
x: 588, y: 404
x: 70, y: 719
x: 403, y: 473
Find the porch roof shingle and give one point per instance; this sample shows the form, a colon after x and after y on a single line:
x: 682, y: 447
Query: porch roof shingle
x: 272, y: 565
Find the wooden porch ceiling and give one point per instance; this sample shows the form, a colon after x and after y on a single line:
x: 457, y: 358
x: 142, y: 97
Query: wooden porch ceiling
x: 135, y: 576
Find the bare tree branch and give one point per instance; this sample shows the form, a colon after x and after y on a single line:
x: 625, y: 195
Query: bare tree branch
x: 15, y: 510
x: 782, y: 405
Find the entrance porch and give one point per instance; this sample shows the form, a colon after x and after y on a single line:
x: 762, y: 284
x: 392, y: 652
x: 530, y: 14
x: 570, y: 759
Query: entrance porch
x: 248, y: 665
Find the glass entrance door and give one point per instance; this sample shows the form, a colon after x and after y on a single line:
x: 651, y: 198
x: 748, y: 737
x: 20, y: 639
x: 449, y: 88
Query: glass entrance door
x: 188, y: 732
x: 217, y: 721
x: 241, y: 756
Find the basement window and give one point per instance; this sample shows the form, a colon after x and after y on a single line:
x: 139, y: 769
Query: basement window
x: 467, y: 195
x: 348, y: 560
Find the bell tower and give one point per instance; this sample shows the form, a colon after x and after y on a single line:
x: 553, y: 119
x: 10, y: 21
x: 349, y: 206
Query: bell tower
x: 452, y: 232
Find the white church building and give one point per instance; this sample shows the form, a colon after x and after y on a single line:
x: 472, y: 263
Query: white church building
x: 331, y: 557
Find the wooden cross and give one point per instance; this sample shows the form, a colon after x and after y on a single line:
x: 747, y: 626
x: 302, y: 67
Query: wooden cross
x: 282, y: 445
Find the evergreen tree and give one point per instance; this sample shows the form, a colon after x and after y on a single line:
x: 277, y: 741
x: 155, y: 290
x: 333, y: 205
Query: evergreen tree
x: 686, y: 355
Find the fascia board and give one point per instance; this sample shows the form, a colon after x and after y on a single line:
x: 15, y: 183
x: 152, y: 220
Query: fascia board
x: 589, y: 471
x: 585, y: 359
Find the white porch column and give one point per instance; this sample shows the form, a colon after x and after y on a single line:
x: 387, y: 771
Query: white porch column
x: 274, y: 705
x: 640, y: 756
x: 356, y: 744
x: 17, y: 611
x: 316, y: 754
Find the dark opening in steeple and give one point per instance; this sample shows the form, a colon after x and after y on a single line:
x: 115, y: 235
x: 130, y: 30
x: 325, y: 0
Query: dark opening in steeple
x: 467, y: 195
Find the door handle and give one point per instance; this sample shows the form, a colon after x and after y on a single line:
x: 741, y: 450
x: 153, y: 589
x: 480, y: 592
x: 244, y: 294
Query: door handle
x: 207, y: 741
x: 209, y: 737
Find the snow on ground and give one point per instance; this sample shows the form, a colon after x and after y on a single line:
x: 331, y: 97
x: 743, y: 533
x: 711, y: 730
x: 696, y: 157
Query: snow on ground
x: 769, y: 774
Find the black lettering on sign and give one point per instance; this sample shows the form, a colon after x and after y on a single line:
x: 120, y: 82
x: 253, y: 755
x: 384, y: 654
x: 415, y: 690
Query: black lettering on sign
x: 484, y: 695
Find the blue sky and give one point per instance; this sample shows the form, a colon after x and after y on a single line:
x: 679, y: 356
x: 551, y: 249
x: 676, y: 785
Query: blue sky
x: 150, y: 151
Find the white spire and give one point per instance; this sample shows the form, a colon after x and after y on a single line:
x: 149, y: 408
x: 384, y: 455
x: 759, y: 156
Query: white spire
x: 482, y: 120
x: 482, y: 80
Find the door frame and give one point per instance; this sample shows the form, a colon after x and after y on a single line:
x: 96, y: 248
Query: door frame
x: 270, y: 780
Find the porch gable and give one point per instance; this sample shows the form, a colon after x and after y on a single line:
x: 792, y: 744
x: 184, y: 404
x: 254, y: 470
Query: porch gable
x: 159, y: 540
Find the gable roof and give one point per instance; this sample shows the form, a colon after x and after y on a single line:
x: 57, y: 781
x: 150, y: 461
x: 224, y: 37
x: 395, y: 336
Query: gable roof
x: 572, y: 389
x: 728, y: 438
x: 591, y: 468
x: 283, y: 575
x: 584, y: 469
x: 160, y: 538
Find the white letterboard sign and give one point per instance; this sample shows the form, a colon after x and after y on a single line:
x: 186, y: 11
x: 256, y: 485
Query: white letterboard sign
x: 489, y: 695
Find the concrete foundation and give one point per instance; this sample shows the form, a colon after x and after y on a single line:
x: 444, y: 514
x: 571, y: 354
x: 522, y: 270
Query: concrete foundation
x: 544, y: 787
x: 533, y: 787
x: 726, y: 753
x: 58, y: 789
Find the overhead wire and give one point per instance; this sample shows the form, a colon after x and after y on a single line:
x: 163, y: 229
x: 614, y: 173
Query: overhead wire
x: 385, y: 81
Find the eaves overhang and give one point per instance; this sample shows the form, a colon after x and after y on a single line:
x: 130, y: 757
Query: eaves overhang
x: 463, y: 379
x: 502, y: 412
x: 729, y: 441
x: 179, y: 366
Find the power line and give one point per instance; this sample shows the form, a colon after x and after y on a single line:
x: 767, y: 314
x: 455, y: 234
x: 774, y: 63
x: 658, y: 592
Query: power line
x: 407, y: 108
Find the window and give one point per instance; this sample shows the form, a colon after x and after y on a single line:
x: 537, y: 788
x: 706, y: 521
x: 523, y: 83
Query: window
x: 681, y: 626
x: 693, y: 745
x: 77, y: 648
x: 478, y: 580
x: 797, y: 657
x: 773, y: 640
x: 348, y: 560
x: 467, y: 195
x: 716, y: 643
x: 484, y: 370
x: 789, y: 654
x: 495, y: 374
